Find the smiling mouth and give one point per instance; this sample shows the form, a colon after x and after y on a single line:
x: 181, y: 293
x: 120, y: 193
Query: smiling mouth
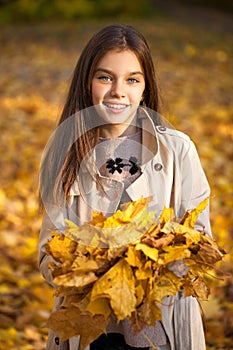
x: 116, y: 106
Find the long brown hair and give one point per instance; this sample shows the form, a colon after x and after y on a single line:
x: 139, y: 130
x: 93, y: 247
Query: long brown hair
x: 60, y: 172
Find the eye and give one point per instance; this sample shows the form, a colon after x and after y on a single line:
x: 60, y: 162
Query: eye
x: 104, y: 78
x: 133, y: 80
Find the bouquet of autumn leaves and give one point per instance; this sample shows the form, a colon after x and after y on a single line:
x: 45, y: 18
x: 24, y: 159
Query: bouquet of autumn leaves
x: 124, y: 265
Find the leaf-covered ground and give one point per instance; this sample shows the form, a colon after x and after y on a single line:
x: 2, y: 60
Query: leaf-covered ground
x: 195, y: 72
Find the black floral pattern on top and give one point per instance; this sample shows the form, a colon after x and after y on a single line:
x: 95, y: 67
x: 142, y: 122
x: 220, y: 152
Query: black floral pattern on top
x: 118, y: 165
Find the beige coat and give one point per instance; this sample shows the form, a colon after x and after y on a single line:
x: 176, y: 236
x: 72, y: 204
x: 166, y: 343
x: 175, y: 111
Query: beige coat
x: 173, y: 176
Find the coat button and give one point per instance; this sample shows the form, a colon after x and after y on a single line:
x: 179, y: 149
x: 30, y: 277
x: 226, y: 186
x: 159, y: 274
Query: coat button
x: 162, y: 128
x: 57, y: 341
x: 158, y: 166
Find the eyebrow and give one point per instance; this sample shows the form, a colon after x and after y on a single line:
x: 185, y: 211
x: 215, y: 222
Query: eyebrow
x: 110, y: 72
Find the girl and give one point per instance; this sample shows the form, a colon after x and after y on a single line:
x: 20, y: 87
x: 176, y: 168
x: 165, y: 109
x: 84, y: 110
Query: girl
x: 112, y: 146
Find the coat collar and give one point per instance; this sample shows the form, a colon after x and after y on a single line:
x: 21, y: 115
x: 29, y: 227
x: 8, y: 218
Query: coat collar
x: 149, y: 138
x: 86, y: 181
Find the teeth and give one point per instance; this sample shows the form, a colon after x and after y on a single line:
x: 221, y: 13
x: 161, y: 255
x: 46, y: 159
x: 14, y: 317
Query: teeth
x: 116, y: 106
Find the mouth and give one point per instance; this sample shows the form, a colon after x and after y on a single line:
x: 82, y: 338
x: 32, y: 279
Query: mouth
x: 116, y: 107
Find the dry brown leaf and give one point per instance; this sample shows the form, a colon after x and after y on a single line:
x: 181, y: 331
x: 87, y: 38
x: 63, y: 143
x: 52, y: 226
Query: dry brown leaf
x: 71, y: 321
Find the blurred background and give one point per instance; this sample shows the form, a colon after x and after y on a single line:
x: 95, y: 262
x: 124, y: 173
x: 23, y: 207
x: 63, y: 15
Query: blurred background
x: 40, y: 42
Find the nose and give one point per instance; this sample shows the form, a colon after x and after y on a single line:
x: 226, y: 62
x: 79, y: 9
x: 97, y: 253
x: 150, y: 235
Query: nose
x: 117, y: 89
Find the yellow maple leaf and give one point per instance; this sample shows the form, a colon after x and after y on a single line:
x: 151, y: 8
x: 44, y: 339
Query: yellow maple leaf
x: 192, y: 216
x: 71, y: 225
x: 83, y: 265
x: 98, y: 219
x: 133, y: 257
x: 61, y: 248
x: 167, y: 215
x: 74, y: 279
x: 192, y: 236
x: 121, y: 236
x: 139, y: 292
x: 154, y: 230
x: 100, y: 306
x: 149, y: 311
x: 86, y: 234
x: 145, y: 220
x: 174, y: 253
x: 168, y: 284
x: 134, y: 209
x: 130, y: 212
x: 150, y: 252
x: 120, y: 229
x: 117, y: 284
x: 116, y: 220
x: 145, y: 271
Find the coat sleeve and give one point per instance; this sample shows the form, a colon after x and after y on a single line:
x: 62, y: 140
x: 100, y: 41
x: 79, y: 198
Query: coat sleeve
x: 182, y: 316
x: 194, y: 187
x: 182, y: 321
x: 53, y: 220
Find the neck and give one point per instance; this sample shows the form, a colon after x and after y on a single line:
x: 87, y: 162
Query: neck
x: 117, y: 130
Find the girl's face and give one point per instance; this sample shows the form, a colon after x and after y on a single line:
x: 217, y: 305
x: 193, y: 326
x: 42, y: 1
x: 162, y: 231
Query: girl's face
x: 117, y: 86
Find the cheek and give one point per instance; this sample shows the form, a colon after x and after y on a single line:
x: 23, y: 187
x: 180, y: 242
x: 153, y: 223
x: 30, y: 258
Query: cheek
x: 94, y: 93
x: 137, y: 95
x: 98, y: 92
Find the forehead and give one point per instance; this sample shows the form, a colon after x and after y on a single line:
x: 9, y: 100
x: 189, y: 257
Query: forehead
x: 119, y: 59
